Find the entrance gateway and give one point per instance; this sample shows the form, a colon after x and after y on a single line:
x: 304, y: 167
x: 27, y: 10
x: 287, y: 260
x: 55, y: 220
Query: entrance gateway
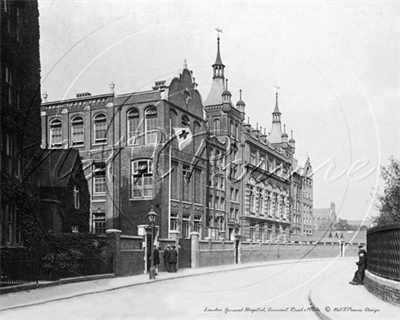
x: 185, y: 253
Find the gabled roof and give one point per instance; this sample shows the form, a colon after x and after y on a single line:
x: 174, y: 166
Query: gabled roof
x: 57, y: 166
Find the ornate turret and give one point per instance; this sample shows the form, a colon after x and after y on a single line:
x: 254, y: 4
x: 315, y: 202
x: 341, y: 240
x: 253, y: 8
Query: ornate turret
x: 292, y: 142
x: 240, y: 105
x: 284, y: 137
x: 218, y: 86
x: 226, y: 98
x: 218, y: 66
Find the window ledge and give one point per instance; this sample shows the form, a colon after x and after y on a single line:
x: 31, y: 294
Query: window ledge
x: 141, y: 199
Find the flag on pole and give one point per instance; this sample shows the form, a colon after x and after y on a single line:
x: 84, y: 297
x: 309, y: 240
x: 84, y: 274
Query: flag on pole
x: 184, y: 137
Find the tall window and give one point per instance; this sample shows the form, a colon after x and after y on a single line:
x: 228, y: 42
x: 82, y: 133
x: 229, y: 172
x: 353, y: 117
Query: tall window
x: 7, y: 10
x: 251, y: 200
x: 260, y: 203
x: 216, y: 126
x: 253, y: 157
x: 9, y: 84
x: 237, y: 131
x: 151, y: 125
x: 133, y: 126
x: 232, y: 129
x: 8, y: 159
x: 77, y: 131
x: 100, y: 128
x: 186, y: 182
x: 55, y: 133
x: 174, y: 221
x: 99, y: 178
x: 185, y: 226
x: 142, y: 179
x: 197, y: 224
x: 76, y: 198
x: 99, y: 223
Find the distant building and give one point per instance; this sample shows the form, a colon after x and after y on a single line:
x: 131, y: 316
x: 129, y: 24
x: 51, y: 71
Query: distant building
x: 64, y: 192
x: 19, y: 118
x: 324, y: 218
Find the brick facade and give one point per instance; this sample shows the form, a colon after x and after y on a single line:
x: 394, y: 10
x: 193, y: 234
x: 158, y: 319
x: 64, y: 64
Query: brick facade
x: 212, y: 177
x: 19, y: 116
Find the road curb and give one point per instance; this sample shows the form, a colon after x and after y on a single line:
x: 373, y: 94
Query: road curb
x: 314, y: 302
x: 178, y: 276
x: 32, y: 286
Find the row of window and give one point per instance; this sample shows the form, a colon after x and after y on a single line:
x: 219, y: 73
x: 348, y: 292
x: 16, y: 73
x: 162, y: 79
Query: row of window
x: 141, y: 179
x: 218, y: 204
x: 265, y: 234
x: 273, y: 205
x: 100, y: 128
x: 187, y: 226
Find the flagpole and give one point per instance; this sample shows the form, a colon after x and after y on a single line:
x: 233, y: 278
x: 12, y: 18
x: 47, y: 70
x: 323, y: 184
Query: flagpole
x: 169, y: 178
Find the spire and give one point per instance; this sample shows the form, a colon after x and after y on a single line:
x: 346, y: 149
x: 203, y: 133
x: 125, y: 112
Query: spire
x: 218, y: 66
x: 276, y: 130
x: 218, y: 85
x: 276, y: 111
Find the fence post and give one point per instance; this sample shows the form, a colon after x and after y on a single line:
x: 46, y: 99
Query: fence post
x: 115, y: 247
x: 195, y: 249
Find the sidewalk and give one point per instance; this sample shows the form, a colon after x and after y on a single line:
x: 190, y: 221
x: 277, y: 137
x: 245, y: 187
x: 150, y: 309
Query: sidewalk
x: 330, y: 290
x: 335, y: 298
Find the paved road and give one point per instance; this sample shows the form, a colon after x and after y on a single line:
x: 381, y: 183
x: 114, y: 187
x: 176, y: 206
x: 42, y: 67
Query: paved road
x: 273, y: 292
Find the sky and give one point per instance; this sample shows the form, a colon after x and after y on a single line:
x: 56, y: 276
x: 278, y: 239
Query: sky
x: 336, y: 64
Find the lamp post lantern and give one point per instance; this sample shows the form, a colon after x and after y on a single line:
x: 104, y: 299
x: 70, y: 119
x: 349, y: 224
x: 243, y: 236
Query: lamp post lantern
x: 152, y: 219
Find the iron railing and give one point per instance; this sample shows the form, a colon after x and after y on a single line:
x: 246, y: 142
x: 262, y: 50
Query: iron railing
x: 28, y: 271
x: 19, y: 272
x: 383, y: 251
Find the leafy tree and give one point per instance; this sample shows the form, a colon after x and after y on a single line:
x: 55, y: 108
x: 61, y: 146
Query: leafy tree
x: 388, y: 203
x: 343, y: 225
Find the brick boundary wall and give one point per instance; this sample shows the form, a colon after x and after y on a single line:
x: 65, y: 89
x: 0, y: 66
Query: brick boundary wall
x: 128, y: 252
x: 385, y: 289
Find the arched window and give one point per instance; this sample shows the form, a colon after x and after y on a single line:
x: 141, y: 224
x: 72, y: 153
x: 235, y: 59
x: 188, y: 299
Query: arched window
x: 216, y: 126
x: 151, y: 125
x: 185, y: 121
x: 132, y: 126
x: 173, y: 115
x: 55, y: 133
x: 77, y: 131
x: 100, y: 128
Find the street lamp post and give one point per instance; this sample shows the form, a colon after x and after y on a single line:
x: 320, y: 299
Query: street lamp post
x: 152, y: 219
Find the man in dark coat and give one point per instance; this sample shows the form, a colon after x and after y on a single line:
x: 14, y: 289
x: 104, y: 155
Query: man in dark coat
x: 362, y: 265
x: 173, y: 259
x: 166, y: 257
x: 156, y: 257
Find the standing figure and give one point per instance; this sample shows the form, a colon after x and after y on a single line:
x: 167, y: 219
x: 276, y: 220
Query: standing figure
x: 156, y: 257
x: 166, y: 257
x: 362, y: 265
x: 173, y: 259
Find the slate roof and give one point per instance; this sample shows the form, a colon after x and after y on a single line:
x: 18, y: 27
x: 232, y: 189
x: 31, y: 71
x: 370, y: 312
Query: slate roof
x: 56, y: 167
